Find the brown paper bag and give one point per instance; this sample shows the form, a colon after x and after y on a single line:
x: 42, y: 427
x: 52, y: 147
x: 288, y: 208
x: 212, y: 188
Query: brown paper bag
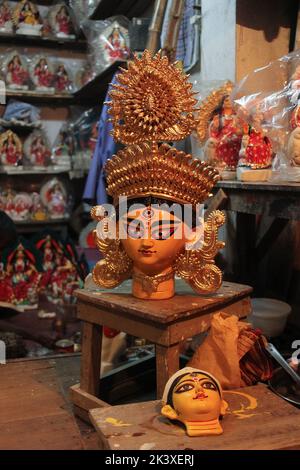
x: 233, y: 352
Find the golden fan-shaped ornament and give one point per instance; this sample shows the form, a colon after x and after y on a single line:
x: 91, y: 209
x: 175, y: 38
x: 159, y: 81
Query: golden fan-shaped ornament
x: 152, y: 102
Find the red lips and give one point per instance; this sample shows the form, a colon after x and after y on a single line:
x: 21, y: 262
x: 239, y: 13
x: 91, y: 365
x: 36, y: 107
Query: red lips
x: 200, y: 396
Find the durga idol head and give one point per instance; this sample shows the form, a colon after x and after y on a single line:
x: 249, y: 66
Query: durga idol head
x: 194, y: 397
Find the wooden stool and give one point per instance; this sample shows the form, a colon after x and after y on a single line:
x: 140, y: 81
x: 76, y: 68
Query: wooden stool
x: 166, y: 323
x: 257, y: 419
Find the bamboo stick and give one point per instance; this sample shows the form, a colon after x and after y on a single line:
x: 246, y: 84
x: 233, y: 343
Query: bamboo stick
x: 170, y: 45
x: 156, y: 25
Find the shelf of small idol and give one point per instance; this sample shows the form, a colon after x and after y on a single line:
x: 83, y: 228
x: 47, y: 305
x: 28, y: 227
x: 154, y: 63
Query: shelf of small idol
x: 39, y: 41
x: 84, y: 96
x: 41, y: 98
x: 128, y: 8
x: 31, y: 226
x: 21, y: 171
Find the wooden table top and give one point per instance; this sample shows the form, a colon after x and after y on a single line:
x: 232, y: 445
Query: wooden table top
x: 257, y: 419
x: 35, y: 411
x: 185, y: 304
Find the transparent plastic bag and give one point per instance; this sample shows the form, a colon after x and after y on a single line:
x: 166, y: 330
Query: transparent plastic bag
x: 269, y: 97
x: 83, y: 9
x: 108, y: 41
x: 219, y: 130
x: 62, y: 21
x: 15, y: 70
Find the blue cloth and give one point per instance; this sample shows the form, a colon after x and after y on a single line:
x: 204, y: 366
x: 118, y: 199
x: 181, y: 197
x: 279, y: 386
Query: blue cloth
x: 186, y: 37
x: 95, y: 187
x: 21, y: 111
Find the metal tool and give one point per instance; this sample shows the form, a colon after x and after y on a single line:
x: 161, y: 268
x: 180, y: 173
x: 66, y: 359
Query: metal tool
x: 278, y: 357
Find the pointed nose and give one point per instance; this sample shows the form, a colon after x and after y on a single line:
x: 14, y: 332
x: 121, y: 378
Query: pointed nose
x: 147, y: 243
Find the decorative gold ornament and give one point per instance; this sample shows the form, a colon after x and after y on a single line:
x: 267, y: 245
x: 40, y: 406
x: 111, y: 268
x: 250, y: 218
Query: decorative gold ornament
x: 208, y: 105
x: 116, y: 265
x: 197, y: 267
x: 150, y: 283
x: 152, y: 102
x: 161, y: 171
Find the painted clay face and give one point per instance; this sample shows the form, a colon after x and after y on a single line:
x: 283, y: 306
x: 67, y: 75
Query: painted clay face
x: 151, y: 242
x: 194, y: 397
x: 154, y: 239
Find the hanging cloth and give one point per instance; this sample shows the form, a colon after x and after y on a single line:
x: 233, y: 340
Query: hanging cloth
x: 95, y: 187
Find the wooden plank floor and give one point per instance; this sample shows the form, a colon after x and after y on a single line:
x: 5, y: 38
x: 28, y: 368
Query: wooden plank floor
x: 35, y: 412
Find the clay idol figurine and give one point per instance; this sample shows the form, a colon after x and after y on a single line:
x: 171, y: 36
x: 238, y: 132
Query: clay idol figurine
x: 22, y: 206
x: 113, y: 43
x: 26, y: 18
x: 220, y: 132
x: 10, y: 149
x: 36, y: 149
x: 60, y: 21
x: 62, y: 81
x: 54, y: 198
x: 194, y: 397
x: 42, y: 74
x: 15, y: 72
x: 147, y: 237
x: 6, y: 25
x: 256, y: 154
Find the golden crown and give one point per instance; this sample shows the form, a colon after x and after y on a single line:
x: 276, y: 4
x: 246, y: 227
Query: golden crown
x: 150, y: 169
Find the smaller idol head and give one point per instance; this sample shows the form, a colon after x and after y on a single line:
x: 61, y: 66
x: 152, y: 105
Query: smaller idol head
x: 194, y: 397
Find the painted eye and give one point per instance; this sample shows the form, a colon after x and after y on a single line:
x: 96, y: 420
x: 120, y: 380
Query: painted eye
x: 135, y: 231
x: 163, y: 233
x: 209, y: 385
x: 185, y: 388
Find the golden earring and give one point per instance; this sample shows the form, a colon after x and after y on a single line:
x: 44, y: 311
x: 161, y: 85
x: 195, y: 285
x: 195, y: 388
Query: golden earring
x: 116, y: 266
x: 197, y: 267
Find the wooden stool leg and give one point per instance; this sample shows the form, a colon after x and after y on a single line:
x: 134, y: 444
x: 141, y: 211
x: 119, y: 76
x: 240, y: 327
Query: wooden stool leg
x: 167, y: 362
x: 91, y: 358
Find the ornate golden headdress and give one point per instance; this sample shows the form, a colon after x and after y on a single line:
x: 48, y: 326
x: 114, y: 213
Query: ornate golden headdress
x: 154, y: 103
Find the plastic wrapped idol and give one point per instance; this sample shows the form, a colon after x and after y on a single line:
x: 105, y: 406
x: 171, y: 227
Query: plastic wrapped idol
x: 6, y: 25
x: 84, y: 75
x: 37, y: 150
x: 27, y: 19
x: 15, y: 71
x: 42, y: 74
x: 86, y: 133
x: 64, y: 148
x: 11, y: 151
x: 108, y: 41
x: 55, y: 199
x: 62, y: 78
x: 268, y: 99
x: 219, y: 131
x: 22, y: 266
x: 22, y: 206
x: 61, y: 20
